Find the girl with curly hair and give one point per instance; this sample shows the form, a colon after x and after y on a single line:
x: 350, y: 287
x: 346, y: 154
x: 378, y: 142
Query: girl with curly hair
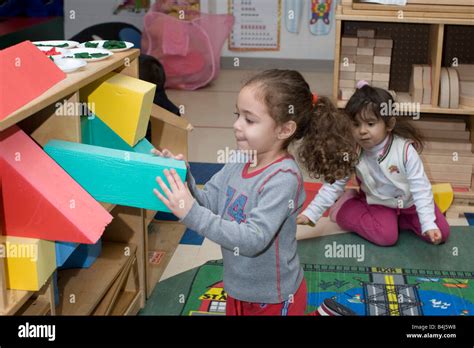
x: 250, y: 210
x: 394, y: 190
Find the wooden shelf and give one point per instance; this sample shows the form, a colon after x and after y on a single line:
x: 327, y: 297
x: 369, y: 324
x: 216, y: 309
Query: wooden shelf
x: 89, y: 285
x: 71, y: 84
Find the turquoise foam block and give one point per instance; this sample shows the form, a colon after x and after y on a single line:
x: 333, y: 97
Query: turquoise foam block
x: 84, y: 256
x: 95, y: 132
x: 63, y: 251
x: 115, y: 176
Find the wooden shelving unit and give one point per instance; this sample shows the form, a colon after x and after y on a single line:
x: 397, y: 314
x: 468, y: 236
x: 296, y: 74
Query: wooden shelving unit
x: 118, y: 282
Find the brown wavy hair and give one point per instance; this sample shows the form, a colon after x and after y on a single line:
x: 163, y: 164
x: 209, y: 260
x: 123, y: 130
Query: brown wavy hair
x: 374, y: 100
x: 326, y: 147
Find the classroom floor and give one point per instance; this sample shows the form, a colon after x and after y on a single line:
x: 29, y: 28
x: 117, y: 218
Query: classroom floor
x: 210, y: 111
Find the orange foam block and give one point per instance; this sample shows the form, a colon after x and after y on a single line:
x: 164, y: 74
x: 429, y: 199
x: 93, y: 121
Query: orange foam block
x: 26, y: 73
x: 40, y: 199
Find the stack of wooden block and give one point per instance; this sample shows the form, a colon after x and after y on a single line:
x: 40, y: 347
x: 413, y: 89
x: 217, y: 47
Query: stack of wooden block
x: 447, y: 156
x: 466, y: 84
x: 364, y: 58
x: 420, y: 84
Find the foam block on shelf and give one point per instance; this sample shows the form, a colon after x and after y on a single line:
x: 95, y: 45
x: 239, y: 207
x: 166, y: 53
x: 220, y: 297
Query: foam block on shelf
x: 466, y: 88
x: 365, y: 42
x: 347, y: 75
x: 466, y: 100
x: 40, y: 199
x: 363, y: 76
x: 347, y: 83
x: 348, y: 50
x: 123, y: 103
x: 346, y: 93
x: 64, y: 251
x: 364, y: 68
x: 364, y: 59
x: 96, y: 132
x: 380, y: 77
x: 115, y: 176
x: 29, y: 262
x: 347, y: 67
x: 382, y: 52
x: 466, y: 72
x: 416, y: 83
x: 453, y: 88
x: 23, y: 67
x: 380, y: 84
x: 83, y: 256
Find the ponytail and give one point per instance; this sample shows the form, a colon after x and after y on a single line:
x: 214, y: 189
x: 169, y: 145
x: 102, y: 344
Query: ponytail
x: 328, y: 150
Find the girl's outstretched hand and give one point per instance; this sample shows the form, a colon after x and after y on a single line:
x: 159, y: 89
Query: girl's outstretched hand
x: 434, y: 235
x: 303, y: 220
x: 168, y: 154
x: 177, y: 197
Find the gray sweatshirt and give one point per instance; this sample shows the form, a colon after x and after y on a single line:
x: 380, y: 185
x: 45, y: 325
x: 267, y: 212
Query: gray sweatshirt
x: 253, y: 217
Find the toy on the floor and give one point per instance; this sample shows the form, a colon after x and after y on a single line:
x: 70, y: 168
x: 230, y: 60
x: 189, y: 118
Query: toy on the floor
x: 443, y: 196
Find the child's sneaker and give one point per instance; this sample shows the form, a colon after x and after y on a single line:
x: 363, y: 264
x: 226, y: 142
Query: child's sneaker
x: 349, y: 194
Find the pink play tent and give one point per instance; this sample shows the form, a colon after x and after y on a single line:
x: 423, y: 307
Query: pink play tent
x: 189, y: 50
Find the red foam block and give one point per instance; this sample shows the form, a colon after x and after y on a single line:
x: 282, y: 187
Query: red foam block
x: 40, y: 199
x: 26, y: 73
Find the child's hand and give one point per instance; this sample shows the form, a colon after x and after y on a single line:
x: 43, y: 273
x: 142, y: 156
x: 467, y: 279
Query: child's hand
x: 434, y: 235
x: 179, y: 200
x: 303, y: 220
x: 168, y: 154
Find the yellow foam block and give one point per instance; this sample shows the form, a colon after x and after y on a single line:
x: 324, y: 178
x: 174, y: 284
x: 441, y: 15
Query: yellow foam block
x: 443, y: 196
x: 123, y: 103
x: 29, y: 262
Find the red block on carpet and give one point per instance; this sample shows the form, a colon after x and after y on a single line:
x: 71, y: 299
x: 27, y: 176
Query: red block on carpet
x: 26, y: 74
x: 40, y: 199
x: 311, y: 189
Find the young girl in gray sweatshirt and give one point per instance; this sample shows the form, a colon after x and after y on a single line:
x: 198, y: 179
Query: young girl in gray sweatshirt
x: 250, y: 207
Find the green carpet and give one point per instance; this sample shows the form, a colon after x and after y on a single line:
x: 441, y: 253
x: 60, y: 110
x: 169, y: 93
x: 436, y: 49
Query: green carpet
x: 410, y: 278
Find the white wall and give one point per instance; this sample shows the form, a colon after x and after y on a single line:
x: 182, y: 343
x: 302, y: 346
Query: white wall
x: 303, y: 45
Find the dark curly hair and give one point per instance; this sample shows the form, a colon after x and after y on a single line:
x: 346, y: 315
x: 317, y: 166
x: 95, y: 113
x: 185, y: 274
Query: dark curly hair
x: 326, y: 148
x: 374, y: 100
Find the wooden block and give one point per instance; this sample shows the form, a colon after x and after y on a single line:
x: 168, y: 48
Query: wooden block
x: 380, y: 84
x: 123, y: 103
x: 453, y: 88
x: 348, y: 59
x: 369, y: 33
x: 384, y: 43
x: 29, y: 262
x: 347, y: 75
x: 466, y: 72
x: 434, y: 144
x: 443, y: 196
x: 365, y: 42
x: 364, y: 59
x: 347, y: 67
x: 23, y: 67
x: 448, y: 124
x: 416, y: 83
x: 458, y: 178
x: 363, y: 76
x: 365, y: 51
x: 443, y: 134
x: 347, y: 83
x: 465, y: 88
x: 381, y: 68
x: 426, y: 84
x: 381, y: 77
x: 96, y: 132
x: 444, y: 89
x: 346, y: 93
x: 382, y: 60
x: 114, y: 176
x: 382, y: 52
x: 40, y: 199
x: 348, y: 50
x: 363, y: 68
x: 466, y: 100
x: 347, y: 41
x: 64, y: 251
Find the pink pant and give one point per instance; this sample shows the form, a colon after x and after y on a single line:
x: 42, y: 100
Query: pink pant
x: 379, y: 224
